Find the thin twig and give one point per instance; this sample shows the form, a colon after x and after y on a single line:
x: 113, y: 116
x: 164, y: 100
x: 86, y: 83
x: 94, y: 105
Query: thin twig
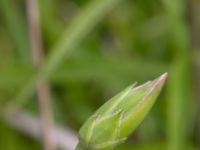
x: 72, y: 36
x: 64, y: 138
x: 42, y: 88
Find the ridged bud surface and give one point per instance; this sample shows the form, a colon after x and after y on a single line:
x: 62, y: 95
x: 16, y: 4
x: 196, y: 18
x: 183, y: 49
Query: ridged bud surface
x: 113, y: 122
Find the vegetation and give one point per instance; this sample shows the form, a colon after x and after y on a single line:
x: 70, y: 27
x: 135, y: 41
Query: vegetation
x: 118, y: 118
x: 61, y: 59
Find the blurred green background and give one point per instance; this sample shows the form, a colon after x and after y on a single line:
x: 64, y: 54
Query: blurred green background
x: 104, y: 49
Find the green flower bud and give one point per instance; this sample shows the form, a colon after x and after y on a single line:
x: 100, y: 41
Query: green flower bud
x: 113, y: 122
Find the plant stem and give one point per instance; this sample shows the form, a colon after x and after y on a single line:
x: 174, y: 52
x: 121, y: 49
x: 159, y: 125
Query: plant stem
x: 71, y: 38
x: 194, y: 10
x: 28, y: 124
x: 178, y: 75
x: 42, y: 86
x: 17, y: 29
x: 79, y: 147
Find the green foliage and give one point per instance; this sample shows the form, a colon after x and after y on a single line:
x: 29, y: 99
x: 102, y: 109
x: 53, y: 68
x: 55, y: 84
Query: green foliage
x: 92, y: 50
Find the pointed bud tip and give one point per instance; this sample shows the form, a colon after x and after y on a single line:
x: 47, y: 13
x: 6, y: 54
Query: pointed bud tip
x: 163, y: 78
x: 160, y: 80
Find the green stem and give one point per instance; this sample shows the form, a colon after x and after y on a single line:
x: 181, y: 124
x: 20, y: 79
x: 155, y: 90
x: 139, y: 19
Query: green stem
x: 71, y: 38
x: 79, y: 147
x: 17, y: 28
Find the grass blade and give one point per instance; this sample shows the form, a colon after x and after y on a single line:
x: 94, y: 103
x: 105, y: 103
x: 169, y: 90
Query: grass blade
x: 72, y: 36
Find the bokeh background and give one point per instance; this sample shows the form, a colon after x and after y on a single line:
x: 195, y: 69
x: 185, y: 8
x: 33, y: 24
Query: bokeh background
x: 104, y: 49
